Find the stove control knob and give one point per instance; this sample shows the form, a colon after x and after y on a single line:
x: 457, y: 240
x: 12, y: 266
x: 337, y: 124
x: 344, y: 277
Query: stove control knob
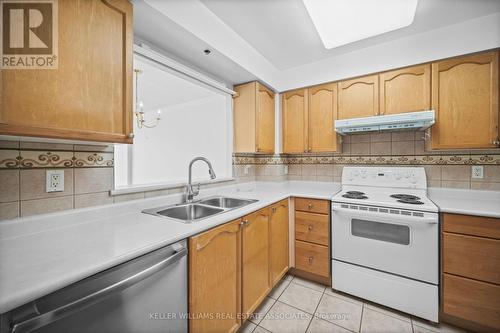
x: 363, y: 174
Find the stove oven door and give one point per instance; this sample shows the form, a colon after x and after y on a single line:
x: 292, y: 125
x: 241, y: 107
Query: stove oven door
x: 387, y: 241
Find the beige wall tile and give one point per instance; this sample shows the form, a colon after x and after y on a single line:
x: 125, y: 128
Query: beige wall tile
x: 433, y: 183
x: 46, y: 159
x: 359, y: 138
x: 8, y: 158
x: 33, y: 184
x: 360, y: 148
x: 43, y: 206
x: 9, y: 144
x: 309, y: 178
x: 346, y: 148
x: 128, y: 197
x: 9, y: 210
x: 324, y: 170
x: 420, y: 148
x: 402, y: 148
x: 324, y: 178
x: 403, y: 136
x: 294, y: 177
x: 46, y: 146
x: 455, y: 184
x: 491, y: 186
x: 380, y: 148
x: 456, y: 172
x: 9, y: 182
x: 337, y: 170
x: 90, y: 180
x: 105, y: 148
x: 380, y: 137
x: 92, y: 199
x: 294, y: 169
x: 308, y: 170
x: 433, y: 172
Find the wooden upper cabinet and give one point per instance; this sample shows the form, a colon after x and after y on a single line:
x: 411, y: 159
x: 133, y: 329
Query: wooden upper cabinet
x: 256, y: 282
x: 322, y: 115
x: 405, y: 90
x: 279, y: 249
x: 215, y: 279
x: 253, y: 119
x: 294, y: 121
x: 358, y: 97
x: 89, y: 95
x: 465, y: 98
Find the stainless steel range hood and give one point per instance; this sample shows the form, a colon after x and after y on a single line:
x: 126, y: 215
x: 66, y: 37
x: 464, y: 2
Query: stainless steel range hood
x: 420, y: 120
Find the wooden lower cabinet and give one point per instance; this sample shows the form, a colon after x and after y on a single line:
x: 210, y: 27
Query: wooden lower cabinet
x: 278, y: 244
x: 256, y: 283
x: 312, y: 258
x: 471, y: 272
x: 215, y: 279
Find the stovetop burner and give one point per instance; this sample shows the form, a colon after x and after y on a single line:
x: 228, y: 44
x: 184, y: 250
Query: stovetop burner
x: 405, y: 197
x: 355, y: 195
x: 411, y: 201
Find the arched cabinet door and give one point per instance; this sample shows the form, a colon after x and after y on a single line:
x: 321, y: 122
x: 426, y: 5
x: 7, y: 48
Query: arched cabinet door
x: 465, y: 98
x: 358, y: 97
x: 278, y: 241
x: 405, y: 90
x: 322, y: 115
x: 294, y: 121
x: 265, y: 120
x: 88, y: 96
x: 215, y: 279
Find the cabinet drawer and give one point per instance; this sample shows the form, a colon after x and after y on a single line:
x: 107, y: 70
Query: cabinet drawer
x: 473, y: 257
x: 312, y: 227
x: 472, y: 225
x: 312, y: 205
x: 312, y: 258
x: 471, y: 300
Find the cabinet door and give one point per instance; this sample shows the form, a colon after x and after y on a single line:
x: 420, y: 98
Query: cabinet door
x: 279, y: 245
x: 405, y: 90
x: 358, y: 97
x: 89, y: 95
x: 322, y: 115
x: 294, y: 108
x: 465, y: 98
x: 265, y: 120
x: 214, y: 279
x: 255, y: 260
x: 244, y: 115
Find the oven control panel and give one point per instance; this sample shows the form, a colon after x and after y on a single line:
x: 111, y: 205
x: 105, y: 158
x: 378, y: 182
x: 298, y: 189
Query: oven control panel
x: 411, y: 177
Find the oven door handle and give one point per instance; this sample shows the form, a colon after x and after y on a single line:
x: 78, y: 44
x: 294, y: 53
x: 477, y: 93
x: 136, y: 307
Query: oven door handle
x: 394, y: 217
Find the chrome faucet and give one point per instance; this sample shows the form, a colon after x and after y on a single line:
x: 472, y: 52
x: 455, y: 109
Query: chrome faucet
x: 191, y: 193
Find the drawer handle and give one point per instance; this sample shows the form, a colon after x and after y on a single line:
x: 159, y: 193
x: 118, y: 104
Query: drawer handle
x: 310, y: 227
x: 311, y: 259
x: 310, y: 206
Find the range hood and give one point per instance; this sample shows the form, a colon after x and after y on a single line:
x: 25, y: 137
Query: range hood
x: 420, y: 120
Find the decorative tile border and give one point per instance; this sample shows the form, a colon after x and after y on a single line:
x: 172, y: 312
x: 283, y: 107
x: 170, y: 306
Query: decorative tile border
x: 451, y: 159
x: 14, y: 159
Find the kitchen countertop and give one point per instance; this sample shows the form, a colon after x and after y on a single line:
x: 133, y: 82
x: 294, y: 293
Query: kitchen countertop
x: 41, y: 254
x: 467, y: 202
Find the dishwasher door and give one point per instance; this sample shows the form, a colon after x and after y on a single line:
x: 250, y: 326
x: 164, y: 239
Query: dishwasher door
x: 146, y: 294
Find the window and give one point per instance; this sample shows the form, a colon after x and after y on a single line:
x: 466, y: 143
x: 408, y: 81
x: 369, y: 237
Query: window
x: 195, y: 121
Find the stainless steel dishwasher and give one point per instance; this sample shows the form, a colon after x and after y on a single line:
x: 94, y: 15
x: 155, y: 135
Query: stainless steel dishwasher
x: 146, y: 294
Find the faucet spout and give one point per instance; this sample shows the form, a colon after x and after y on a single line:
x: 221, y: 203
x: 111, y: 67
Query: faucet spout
x: 191, y: 193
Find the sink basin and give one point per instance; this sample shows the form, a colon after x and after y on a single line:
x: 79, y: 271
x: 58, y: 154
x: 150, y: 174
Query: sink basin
x: 225, y: 202
x: 186, y: 212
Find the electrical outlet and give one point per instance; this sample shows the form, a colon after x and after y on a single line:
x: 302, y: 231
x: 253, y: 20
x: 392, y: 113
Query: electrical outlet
x: 286, y: 169
x: 246, y: 169
x: 54, y: 181
x: 477, y: 172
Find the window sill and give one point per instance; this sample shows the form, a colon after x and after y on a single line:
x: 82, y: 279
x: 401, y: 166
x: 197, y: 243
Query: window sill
x: 163, y: 186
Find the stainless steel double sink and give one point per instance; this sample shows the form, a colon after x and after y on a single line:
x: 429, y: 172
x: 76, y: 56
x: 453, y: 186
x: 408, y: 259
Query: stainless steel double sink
x: 201, y: 209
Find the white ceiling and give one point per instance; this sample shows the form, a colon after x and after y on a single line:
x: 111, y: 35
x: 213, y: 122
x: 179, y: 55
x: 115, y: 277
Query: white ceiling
x: 282, y: 31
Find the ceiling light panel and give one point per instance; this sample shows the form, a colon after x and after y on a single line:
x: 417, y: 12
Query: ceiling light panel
x: 341, y: 22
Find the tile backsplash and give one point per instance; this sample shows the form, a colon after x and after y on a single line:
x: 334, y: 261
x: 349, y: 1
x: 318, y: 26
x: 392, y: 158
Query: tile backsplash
x: 89, y: 173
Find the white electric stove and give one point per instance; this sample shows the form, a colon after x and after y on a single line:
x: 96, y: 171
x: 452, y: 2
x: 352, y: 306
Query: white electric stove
x: 385, y: 233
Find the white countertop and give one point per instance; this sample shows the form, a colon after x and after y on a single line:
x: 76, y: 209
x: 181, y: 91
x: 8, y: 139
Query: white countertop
x: 41, y: 254
x: 467, y: 202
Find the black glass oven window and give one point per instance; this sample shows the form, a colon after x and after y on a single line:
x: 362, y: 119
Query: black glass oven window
x: 386, y: 232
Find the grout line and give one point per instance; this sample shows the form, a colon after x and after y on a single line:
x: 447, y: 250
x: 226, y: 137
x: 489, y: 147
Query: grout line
x: 361, y: 319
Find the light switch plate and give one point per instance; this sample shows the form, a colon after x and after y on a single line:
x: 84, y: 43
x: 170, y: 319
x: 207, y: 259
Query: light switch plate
x: 477, y: 172
x: 54, y: 181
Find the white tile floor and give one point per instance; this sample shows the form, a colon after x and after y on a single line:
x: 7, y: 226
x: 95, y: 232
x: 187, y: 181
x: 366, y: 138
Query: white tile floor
x: 298, y: 305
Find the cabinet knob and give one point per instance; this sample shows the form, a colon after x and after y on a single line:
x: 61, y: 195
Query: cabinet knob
x: 311, y: 259
x: 244, y: 222
x: 496, y: 142
x: 310, y: 227
x: 273, y: 209
x: 310, y: 206
x: 131, y: 135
